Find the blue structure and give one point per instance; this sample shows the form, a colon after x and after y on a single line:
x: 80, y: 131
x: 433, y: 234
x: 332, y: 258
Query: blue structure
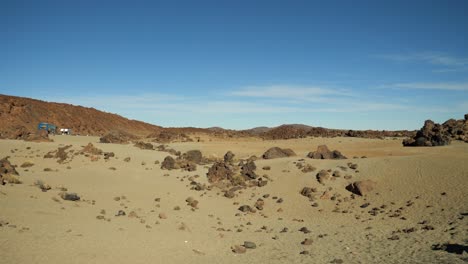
x: 51, y: 129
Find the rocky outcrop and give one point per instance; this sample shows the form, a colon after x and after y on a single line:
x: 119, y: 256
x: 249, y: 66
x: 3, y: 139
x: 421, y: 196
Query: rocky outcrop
x: 430, y: 135
x: 277, y: 152
x: 117, y: 137
x: 323, y: 152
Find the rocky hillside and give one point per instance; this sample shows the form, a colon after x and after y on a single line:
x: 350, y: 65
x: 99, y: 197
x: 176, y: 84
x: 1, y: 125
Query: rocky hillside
x: 19, y: 116
x: 302, y: 131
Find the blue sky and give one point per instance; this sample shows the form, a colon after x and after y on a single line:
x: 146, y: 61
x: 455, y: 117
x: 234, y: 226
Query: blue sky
x: 241, y: 64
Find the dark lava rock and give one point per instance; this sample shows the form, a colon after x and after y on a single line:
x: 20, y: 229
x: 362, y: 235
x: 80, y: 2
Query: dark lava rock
x: 229, y: 157
x: 323, y: 152
x: 219, y: 171
x: 308, y: 192
x: 245, y: 208
x: 120, y: 213
x: 169, y: 163
x: 277, y: 152
x: 361, y: 187
x: 250, y: 245
x: 118, y: 137
x: 451, y: 248
x: 431, y: 134
x: 322, y: 176
x: 248, y: 169
x: 143, y: 145
x: 70, y: 196
x: 193, y: 156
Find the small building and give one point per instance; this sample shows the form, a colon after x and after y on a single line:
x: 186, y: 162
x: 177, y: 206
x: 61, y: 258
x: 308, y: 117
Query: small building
x: 50, y: 128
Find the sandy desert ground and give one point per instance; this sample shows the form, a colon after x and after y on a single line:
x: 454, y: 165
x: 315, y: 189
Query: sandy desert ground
x: 420, y: 199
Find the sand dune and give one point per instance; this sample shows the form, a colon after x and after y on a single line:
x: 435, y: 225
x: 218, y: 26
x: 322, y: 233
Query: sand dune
x: 420, y: 200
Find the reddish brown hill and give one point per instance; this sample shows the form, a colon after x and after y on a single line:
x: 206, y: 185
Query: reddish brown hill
x: 21, y: 115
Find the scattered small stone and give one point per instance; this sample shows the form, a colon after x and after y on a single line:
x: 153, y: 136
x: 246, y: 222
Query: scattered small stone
x: 238, y: 249
x: 250, y: 245
x: 245, y: 208
x: 69, y: 196
x: 121, y: 213
x: 337, y: 261
x: 162, y: 216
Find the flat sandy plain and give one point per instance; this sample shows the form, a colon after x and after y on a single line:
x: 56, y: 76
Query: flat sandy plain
x: 426, y: 188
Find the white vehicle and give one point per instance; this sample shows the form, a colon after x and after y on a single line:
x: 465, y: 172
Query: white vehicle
x: 65, y: 131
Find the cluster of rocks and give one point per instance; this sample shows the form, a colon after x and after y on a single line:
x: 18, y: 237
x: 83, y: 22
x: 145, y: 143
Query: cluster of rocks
x: 229, y: 175
x: 187, y: 161
x: 433, y: 134
x: 144, y: 145
x: 457, y: 129
x: 60, y: 154
x: 38, y: 136
x: 117, y: 137
x: 169, y: 136
x: 8, y: 173
x: 302, y: 131
x: 323, y: 152
x: 241, y: 249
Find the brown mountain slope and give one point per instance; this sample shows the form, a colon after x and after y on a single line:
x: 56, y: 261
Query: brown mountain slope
x: 24, y: 114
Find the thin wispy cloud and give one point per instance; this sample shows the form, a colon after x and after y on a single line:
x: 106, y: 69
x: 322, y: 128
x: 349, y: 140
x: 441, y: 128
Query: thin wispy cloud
x: 449, y: 62
x: 293, y: 93
x: 431, y: 86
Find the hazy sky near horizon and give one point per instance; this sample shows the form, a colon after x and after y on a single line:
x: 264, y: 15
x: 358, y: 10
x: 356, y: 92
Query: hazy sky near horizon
x: 241, y: 64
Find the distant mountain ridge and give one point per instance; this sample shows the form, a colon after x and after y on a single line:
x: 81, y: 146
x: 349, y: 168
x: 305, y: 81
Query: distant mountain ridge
x: 20, y: 116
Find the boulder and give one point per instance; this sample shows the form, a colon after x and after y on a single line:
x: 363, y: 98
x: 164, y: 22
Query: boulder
x: 277, y: 152
x: 229, y: 157
x: 219, y: 171
x: 169, y: 163
x: 69, y: 196
x: 193, y: 156
x: 248, y: 169
x: 361, y: 187
x: 322, y: 176
x: 323, y: 152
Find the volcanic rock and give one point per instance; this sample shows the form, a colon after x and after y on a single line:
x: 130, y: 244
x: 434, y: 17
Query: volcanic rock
x: 361, y: 187
x: 322, y: 176
x: 229, y: 157
x: 118, y: 137
x: 277, y: 152
x: 69, y: 196
x: 219, y: 171
x: 144, y: 145
x: 169, y: 163
x: 431, y: 134
x: 323, y: 152
x: 248, y: 169
x: 193, y: 156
